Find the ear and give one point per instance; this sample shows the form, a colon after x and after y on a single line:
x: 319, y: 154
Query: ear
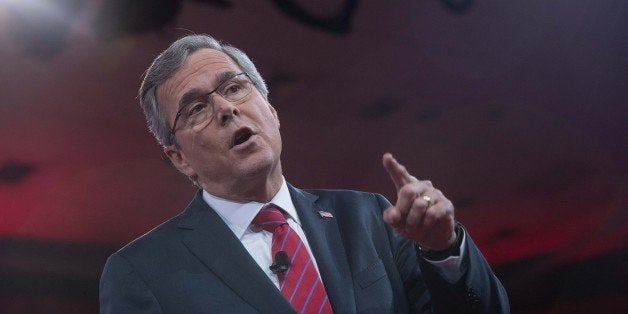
x: 178, y: 160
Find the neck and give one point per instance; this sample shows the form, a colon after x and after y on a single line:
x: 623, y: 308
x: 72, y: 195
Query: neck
x: 247, y: 189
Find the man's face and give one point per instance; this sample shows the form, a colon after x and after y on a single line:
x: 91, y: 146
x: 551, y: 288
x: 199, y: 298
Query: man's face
x: 240, y: 148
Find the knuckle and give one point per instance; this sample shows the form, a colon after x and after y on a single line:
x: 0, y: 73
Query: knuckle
x: 408, y: 190
x: 436, y: 215
x: 448, y: 205
x: 439, y: 215
x: 429, y: 215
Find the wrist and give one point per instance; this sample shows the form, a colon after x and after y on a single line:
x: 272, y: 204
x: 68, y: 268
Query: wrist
x: 439, y: 255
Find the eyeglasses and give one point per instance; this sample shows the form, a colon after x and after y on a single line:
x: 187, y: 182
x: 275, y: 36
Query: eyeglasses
x: 199, y: 112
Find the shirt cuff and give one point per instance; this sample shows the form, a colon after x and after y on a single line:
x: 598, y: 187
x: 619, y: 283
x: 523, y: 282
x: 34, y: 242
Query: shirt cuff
x: 450, y: 267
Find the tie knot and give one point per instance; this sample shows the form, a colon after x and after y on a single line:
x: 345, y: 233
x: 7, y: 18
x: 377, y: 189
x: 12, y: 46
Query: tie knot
x: 269, y: 218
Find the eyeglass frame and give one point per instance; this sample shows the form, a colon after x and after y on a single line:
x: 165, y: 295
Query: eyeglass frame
x: 215, y: 90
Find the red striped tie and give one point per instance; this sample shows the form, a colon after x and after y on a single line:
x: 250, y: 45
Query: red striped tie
x: 300, y: 284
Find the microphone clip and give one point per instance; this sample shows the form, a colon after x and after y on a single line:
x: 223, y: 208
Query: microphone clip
x: 281, y: 264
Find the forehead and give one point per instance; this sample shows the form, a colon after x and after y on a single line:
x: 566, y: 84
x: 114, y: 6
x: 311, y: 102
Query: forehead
x: 200, y: 71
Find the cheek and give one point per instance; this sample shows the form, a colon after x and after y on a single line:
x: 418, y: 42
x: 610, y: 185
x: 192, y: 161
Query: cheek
x: 270, y: 117
x: 204, y: 143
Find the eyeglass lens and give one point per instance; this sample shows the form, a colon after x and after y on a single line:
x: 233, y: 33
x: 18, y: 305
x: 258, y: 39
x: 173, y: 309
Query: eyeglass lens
x: 232, y: 90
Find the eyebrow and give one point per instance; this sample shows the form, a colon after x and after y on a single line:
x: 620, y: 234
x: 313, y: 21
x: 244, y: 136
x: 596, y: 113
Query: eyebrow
x: 190, y: 96
x: 223, y: 76
x: 196, y: 93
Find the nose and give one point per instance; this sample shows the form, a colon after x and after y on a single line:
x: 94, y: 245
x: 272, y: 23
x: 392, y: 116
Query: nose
x: 224, y: 110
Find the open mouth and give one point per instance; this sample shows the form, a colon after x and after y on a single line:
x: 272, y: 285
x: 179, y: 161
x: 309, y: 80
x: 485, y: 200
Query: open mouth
x: 241, y: 136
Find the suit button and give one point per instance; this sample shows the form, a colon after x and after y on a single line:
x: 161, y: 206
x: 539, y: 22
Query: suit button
x: 472, y: 299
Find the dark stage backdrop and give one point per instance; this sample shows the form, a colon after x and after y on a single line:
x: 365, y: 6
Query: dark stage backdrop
x: 515, y: 109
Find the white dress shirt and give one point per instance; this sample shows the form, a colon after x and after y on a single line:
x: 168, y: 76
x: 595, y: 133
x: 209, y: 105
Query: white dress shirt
x: 238, y: 217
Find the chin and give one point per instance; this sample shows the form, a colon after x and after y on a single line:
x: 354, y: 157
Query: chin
x: 261, y: 166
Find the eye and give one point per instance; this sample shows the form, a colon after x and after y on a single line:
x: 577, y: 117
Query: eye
x: 231, y: 88
x: 196, y: 108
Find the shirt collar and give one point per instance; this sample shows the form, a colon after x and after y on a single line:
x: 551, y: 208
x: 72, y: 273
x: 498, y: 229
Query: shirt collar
x: 238, y: 216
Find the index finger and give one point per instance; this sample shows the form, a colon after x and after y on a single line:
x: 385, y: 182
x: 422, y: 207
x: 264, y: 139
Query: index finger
x: 397, y: 172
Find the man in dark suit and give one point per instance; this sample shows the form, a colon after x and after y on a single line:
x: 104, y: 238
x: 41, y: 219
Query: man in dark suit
x: 320, y: 250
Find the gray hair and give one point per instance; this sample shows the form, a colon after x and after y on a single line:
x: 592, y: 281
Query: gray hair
x: 168, y: 62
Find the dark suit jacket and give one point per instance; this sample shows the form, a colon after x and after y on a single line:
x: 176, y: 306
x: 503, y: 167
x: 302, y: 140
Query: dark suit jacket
x: 193, y: 263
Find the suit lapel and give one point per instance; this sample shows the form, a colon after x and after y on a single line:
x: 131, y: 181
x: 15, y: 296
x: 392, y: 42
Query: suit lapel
x: 211, y: 241
x: 324, y: 238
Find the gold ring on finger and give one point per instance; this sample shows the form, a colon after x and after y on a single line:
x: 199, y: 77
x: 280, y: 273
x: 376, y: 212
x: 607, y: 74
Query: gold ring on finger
x: 427, y: 199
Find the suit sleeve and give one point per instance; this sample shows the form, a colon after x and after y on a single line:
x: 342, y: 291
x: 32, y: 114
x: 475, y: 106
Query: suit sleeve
x: 123, y: 291
x: 477, y: 291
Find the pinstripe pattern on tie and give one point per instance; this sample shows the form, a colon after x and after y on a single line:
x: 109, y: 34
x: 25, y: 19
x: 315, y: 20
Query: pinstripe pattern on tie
x: 300, y: 284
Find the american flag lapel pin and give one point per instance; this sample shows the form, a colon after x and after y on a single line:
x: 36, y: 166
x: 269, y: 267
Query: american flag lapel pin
x: 325, y: 214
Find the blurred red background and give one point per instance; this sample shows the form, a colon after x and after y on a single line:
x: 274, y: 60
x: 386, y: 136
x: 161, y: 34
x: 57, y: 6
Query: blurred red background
x: 517, y: 111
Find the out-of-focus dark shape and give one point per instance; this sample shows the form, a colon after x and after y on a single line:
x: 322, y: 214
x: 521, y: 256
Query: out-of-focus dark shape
x: 458, y: 6
x: 560, y: 176
x: 595, y: 285
x: 382, y: 108
x: 339, y: 23
x: 13, y: 172
x: 219, y: 3
x: 42, y: 276
x: 119, y: 18
x: 429, y: 114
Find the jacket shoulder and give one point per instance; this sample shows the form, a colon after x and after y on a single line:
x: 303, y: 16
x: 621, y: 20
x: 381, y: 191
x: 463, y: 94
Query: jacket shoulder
x: 352, y: 197
x: 152, y: 241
